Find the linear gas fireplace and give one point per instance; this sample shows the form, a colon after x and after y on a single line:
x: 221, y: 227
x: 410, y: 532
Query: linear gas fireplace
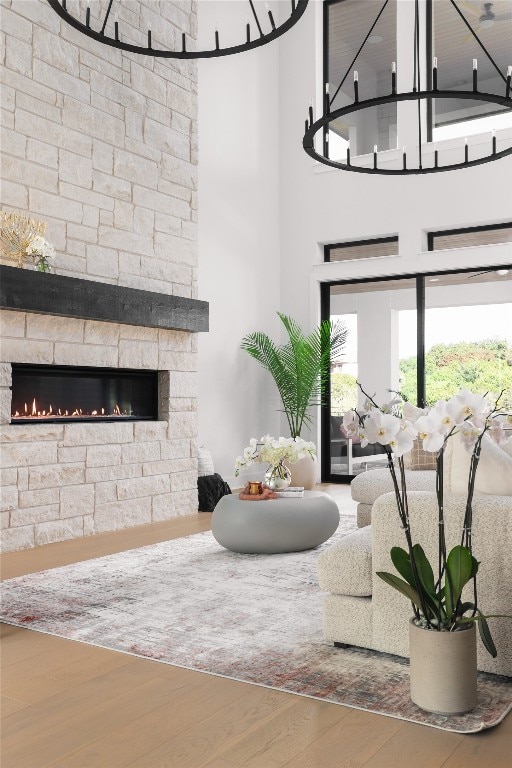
x: 50, y: 393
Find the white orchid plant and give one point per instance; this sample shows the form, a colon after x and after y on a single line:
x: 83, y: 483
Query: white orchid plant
x: 42, y: 252
x: 436, y: 599
x: 274, y: 451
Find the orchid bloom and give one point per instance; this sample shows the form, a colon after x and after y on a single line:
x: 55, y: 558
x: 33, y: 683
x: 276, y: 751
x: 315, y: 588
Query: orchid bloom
x: 469, y: 434
x: 466, y: 405
x: 351, y: 423
x: 248, y: 453
x: 402, y: 442
x: 304, y: 448
x: 430, y: 432
x: 497, y: 426
x: 412, y: 412
x: 445, y: 416
x: 388, y: 407
x: 380, y: 428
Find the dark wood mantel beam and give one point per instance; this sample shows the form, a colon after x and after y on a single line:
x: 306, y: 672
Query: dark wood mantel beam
x: 30, y: 291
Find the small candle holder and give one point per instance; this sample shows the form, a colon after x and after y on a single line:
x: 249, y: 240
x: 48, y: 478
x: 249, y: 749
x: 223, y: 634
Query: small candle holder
x: 255, y: 488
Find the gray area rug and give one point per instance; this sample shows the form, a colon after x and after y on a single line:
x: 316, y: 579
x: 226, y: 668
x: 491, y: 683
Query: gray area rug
x: 254, y: 618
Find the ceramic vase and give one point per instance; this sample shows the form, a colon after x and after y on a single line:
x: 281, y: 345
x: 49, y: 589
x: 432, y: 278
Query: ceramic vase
x: 443, y: 669
x: 304, y: 473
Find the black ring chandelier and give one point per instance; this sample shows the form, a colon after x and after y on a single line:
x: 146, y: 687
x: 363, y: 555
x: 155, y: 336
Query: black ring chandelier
x: 312, y: 127
x: 111, y: 33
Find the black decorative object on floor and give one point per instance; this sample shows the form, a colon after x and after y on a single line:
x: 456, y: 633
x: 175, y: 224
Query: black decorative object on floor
x: 211, y: 489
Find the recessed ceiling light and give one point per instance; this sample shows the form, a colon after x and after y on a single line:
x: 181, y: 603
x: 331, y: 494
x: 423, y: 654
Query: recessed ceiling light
x: 373, y: 39
x: 502, y: 272
x: 434, y: 279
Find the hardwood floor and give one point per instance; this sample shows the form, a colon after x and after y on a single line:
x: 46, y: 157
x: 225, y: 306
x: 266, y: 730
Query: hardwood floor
x: 66, y: 705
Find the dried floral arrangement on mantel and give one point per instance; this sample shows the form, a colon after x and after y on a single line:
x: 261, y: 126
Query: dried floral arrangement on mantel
x: 22, y: 239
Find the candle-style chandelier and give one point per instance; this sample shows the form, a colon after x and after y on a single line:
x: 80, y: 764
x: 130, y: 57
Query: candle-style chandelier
x: 424, y: 88
x: 258, y: 30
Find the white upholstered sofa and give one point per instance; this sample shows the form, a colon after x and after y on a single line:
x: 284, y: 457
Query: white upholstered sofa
x: 361, y: 610
x: 368, y: 486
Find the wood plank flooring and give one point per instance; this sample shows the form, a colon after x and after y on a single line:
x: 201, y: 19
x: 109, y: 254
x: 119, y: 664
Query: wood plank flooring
x: 69, y: 705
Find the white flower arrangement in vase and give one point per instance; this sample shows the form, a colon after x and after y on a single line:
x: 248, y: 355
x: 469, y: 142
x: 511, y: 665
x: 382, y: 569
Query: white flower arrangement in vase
x: 275, y: 452
x: 42, y: 252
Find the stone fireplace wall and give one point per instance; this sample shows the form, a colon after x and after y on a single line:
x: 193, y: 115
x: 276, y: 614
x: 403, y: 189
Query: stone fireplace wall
x: 102, y: 145
x: 63, y: 481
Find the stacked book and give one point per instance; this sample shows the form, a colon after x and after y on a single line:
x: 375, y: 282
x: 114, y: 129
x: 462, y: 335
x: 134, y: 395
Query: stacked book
x: 292, y: 492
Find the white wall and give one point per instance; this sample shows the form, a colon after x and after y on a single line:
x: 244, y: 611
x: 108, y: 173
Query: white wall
x: 319, y: 205
x: 252, y: 112
x: 239, y: 270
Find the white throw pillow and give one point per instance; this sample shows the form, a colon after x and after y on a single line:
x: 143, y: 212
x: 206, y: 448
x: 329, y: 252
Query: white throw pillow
x: 507, y: 446
x: 493, y: 475
x: 204, y: 461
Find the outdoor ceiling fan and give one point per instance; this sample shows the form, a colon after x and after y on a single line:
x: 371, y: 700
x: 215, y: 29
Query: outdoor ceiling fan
x: 486, y: 15
x: 500, y: 272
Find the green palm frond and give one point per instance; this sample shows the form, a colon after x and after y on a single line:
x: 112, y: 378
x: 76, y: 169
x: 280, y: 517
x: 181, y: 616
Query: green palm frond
x: 300, y: 368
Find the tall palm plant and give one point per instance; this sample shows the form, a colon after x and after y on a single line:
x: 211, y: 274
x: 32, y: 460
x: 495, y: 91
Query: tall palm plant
x: 300, y: 368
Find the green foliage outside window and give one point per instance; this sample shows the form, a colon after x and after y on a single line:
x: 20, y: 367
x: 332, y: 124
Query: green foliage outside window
x: 343, y: 393
x: 483, y: 366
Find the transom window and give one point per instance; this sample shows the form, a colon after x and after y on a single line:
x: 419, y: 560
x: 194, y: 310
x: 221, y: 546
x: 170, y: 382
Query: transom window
x: 362, y: 249
x: 468, y: 237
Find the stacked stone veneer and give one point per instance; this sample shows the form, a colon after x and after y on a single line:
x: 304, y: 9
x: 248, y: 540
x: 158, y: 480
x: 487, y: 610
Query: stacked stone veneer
x: 62, y: 481
x: 102, y: 145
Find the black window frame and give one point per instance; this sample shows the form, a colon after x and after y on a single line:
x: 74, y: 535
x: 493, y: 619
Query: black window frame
x: 325, y: 301
x: 431, y: 235
x: 353, y: 243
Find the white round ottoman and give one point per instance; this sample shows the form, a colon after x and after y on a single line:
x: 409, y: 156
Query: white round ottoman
x: 275, y: 525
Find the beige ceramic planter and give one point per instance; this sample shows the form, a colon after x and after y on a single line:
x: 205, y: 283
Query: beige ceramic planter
x: 304, y: 473
x: 443, y: 669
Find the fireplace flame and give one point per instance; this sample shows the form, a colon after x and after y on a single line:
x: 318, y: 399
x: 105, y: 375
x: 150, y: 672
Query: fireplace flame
x: 36, y: 411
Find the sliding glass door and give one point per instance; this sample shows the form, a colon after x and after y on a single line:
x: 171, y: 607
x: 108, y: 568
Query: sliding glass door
x: 468, y: 334
x: 424, y: 336
x: 380, y: 317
